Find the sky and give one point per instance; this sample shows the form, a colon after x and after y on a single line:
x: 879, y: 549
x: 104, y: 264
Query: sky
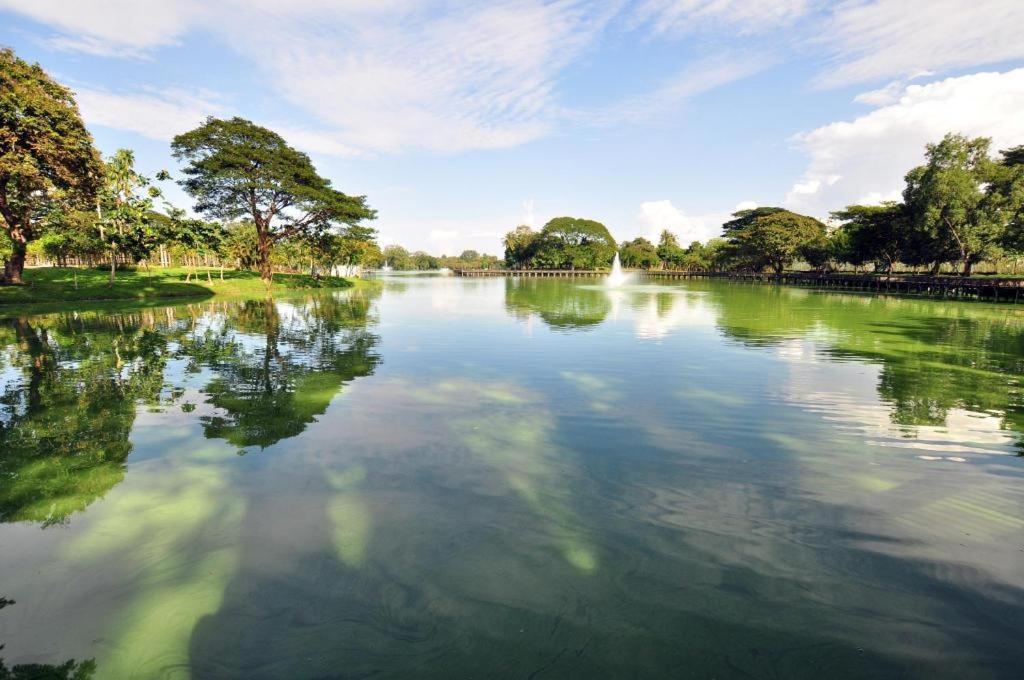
x: 461, y: 119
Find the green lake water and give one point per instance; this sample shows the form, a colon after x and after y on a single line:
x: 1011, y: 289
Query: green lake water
x: 498, y: 478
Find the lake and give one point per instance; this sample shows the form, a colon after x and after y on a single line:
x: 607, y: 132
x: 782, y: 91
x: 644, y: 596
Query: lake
x: 491, y: 478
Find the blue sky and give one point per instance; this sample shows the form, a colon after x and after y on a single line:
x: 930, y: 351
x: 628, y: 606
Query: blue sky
x: 460, y: 120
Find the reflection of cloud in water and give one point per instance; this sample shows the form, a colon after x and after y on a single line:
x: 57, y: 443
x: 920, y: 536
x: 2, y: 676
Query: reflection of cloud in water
x: 655, y: 320
x: 846, y: 394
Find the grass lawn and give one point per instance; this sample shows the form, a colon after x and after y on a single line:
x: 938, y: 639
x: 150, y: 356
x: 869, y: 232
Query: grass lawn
x: 51, y: 284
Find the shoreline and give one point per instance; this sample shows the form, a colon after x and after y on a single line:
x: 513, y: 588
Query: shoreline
x: 55, y: 286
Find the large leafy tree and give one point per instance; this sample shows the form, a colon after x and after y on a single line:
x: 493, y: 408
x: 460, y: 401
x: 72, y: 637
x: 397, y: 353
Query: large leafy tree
x: 237, y: 169
x: 947, y: 200
x: 1007, y: 192
x: 874, y: 233
x: 575, y: 243
x: 771, y: 237
x: 670, y: 252
x: 520, y: 247
x: 46, y: 155
x: 397, y: 257
x: 125, y: 210
x: 639, y: 253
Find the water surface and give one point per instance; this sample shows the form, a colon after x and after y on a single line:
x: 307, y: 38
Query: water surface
x: 515, y: 478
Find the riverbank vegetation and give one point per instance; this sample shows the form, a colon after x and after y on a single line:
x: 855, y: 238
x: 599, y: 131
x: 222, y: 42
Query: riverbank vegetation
x: 962, y: 207
x: 263, y: 206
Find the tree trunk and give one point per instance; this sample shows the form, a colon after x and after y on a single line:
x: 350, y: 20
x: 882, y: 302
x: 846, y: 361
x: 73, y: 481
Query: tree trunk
x: 113, y: 268
x: 14, y: 267
x: 935, y: 268
x: 968, y: 265
x: 266, y: 272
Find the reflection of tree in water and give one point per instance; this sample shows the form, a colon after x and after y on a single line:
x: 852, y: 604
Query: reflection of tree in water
x: 72, y: 384
x: 69, y: 670
x: 275, y: 373
x: 66, y: 416
x: 559, y: 303
x: 934, y: 356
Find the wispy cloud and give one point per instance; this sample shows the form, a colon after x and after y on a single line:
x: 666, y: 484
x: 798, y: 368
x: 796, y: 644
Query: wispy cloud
x: 680, y: 16
x: 884, y: 38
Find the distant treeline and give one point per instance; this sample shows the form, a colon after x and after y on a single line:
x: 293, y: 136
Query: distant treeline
x: 960, y: 208
x: 398, y: 257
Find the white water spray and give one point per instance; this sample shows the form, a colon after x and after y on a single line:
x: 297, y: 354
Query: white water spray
x: 617, y: 277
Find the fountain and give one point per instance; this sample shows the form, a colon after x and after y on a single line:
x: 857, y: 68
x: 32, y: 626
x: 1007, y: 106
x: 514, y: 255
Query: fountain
x: 386, y: 267
x: 617, y: 277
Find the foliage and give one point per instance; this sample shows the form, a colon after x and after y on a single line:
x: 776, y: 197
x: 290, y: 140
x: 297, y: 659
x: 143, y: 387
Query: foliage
x: 1006, y: 191
x: 397, y: 257
x: 125, y: 210
x: 948, y: 203
x: 574, y: 243
x: 771, y: 237
x: 238, y: 169
x: 670, y: 253
x: 520, y: 247
x: 873, y: 233
x: 639, y: 254
x: 47, y: 157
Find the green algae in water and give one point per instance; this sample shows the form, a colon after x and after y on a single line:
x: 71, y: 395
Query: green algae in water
x: 542, y: 480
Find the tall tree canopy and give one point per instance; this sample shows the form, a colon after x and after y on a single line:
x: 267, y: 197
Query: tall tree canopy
x: 46, y: 155
x: 874, y: 233
x: 947, y: 199
x: 771, y: 237
x: 639, y: 253
x: 238, y: 169
x: 520, y: 247
x: 575, y: 243
x: 670, y: 252
x: 1007, y: 190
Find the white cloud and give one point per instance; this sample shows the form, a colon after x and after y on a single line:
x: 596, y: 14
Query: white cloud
x: 399, y: 75
x: 884, y: 38
x: 150, y: 113
x: 654, y: 216
x: 673, y: 16
x: 883, y: 96
x: 865, y: 159
x: 697, y: 78
x: 112, y: 27
x: 163, y: 114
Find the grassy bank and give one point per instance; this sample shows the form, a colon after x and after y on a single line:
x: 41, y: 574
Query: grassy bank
x: 46, y: 284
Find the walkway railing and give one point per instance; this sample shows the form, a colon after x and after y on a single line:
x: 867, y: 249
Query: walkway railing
x: 956, y: 287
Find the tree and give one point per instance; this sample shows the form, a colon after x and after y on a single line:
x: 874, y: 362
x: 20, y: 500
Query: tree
x: 46, y: 155
x: 423, y: 261
x: 520, y: 247
x: 1006, y: 191
x: 771, y: 237
x: 124, y: 211
x: 398, y: 257
x: 669, y: 251
x: 70, y: 234
x: 239, y: 169
x: 947, y: 200
x: 575, y: 243
x: 874, y: 233
x: 639, y: 253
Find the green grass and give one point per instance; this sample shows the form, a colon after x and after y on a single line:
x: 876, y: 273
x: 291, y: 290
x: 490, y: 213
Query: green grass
x: 51, y: 284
